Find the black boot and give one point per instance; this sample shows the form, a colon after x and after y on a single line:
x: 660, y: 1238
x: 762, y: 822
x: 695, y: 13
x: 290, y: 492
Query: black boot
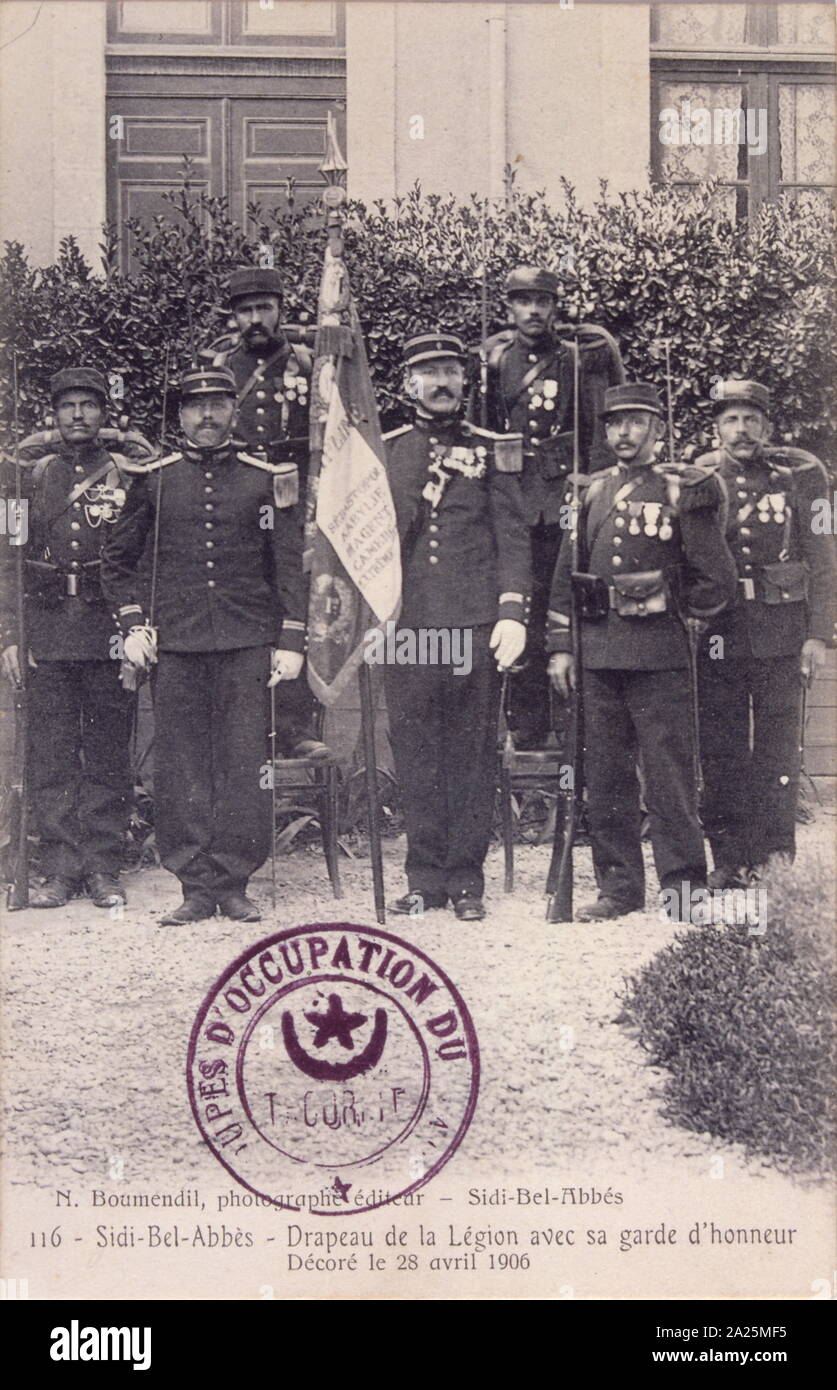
x: 236, y: 905
x: 54, y: 893
x: 196, y: 907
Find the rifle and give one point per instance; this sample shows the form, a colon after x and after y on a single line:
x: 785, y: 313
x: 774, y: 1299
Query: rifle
x: 132, y: 677
x: 483, y: 328
x: 691, y: 626
x: 18, y: 891
x: 559, y: 882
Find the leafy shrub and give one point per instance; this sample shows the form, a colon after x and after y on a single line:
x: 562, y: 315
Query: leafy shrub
x: 646, y: 265
x: 746, y: 1028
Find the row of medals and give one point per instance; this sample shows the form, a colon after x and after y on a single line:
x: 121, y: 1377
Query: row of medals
x: 544, y: 394
x: 648, y: 517
x: 294, y: 386
x: 773, y: 503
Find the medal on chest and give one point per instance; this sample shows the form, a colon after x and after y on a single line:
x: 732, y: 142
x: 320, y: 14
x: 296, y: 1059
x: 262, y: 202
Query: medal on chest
x: 444, y: 462
x: 103, y: 504
x: 543, y: 394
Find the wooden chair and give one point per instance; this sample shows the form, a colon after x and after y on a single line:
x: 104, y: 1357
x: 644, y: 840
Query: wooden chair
x: 316, y: 780
x: 521, y: 772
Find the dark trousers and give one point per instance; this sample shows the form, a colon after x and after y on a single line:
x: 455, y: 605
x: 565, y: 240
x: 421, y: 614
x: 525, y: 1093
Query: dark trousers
x: 211, y: 712
x: 645, y: 714
x: 750, y: 787
x: 79, y: 728
x: 443, y: 729
x: 529, y: 700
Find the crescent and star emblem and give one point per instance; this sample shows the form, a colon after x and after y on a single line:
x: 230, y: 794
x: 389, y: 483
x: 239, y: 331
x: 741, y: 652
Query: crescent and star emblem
x: 339, y: 1025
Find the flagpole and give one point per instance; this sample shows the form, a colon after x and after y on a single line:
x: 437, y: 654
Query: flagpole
x: 367, y: 724
x: 333, y: 170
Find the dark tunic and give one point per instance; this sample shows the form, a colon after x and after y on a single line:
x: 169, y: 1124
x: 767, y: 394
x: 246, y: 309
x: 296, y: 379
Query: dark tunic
x: 749, y: 669
x: 465, y: 560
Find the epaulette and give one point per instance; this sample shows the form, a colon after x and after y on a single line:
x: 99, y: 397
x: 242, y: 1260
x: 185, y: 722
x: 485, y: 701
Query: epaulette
x: 798, y: 460
x: 220, y: 348
x: 304, y: 357
x: 141, y: 469
x: 592, y: 483
x: 260, y: 463
x: 469, y: 428
x: 393, y: 434
x: 497, y: 345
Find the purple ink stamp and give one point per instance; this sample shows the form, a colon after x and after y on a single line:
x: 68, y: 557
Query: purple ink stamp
x: 333, y: 1068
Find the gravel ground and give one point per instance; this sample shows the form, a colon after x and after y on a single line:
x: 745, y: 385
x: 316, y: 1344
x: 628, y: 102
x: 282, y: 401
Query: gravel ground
x: 98, y: 1014
x: 95, y: 1028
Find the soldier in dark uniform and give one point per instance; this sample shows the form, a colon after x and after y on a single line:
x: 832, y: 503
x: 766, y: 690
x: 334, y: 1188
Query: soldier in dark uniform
x: 466, y: 567
x: 79, y: 715
x: 528, y: 389
x: 272, y: 378
x: 229, y: 589
x: 755, y: 656
x: 651, y: 551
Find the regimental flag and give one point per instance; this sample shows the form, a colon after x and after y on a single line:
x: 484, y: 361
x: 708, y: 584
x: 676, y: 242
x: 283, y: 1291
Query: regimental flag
x: 353, y: 551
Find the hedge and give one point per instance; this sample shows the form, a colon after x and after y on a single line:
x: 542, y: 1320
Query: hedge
x: 649, y: 265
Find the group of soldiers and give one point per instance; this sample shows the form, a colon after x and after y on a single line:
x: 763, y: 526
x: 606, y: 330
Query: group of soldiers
x: 700, y: 597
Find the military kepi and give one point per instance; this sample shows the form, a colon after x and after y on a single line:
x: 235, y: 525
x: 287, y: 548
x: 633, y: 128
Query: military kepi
x: 632, y: 395
x: 207, y: 381
x: 728, y: 393
x: 532, y: 279
x: 425, y: 346
x: 77, y: 379
x: 254, y: 279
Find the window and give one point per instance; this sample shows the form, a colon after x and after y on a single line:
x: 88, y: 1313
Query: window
x: 744, y: 94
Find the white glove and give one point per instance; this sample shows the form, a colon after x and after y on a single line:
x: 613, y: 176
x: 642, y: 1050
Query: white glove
x: 507, y: 642
x: 140, y: 647
x: 284, y: 665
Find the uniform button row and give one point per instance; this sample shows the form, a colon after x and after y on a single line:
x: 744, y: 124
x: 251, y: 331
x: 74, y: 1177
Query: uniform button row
x: 76, y: 506
x: 209, y: 545
x: 210, y: 583
x: 745, y: 550
x: 74, y: 545
x: 209, y: 490
x: 75, y: 525
x: 209, y: 507
x: 617, y: 540
x: 210, y: 564
x: 745, y: 530
x: 208, y: 525
x: 434, y: 545
x: 78, y: 468
x: 434, y: 559
x: 207, y: 475
x: 432, y: 527
x: 616, y: 560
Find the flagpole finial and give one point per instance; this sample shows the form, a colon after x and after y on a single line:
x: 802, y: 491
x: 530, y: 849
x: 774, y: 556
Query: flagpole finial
x: 333, y: 170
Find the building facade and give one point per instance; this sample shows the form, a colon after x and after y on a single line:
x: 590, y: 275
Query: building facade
x: 100, y: 100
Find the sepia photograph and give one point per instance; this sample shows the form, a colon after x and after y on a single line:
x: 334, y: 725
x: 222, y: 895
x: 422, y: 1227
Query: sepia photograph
x: 418, y: 599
